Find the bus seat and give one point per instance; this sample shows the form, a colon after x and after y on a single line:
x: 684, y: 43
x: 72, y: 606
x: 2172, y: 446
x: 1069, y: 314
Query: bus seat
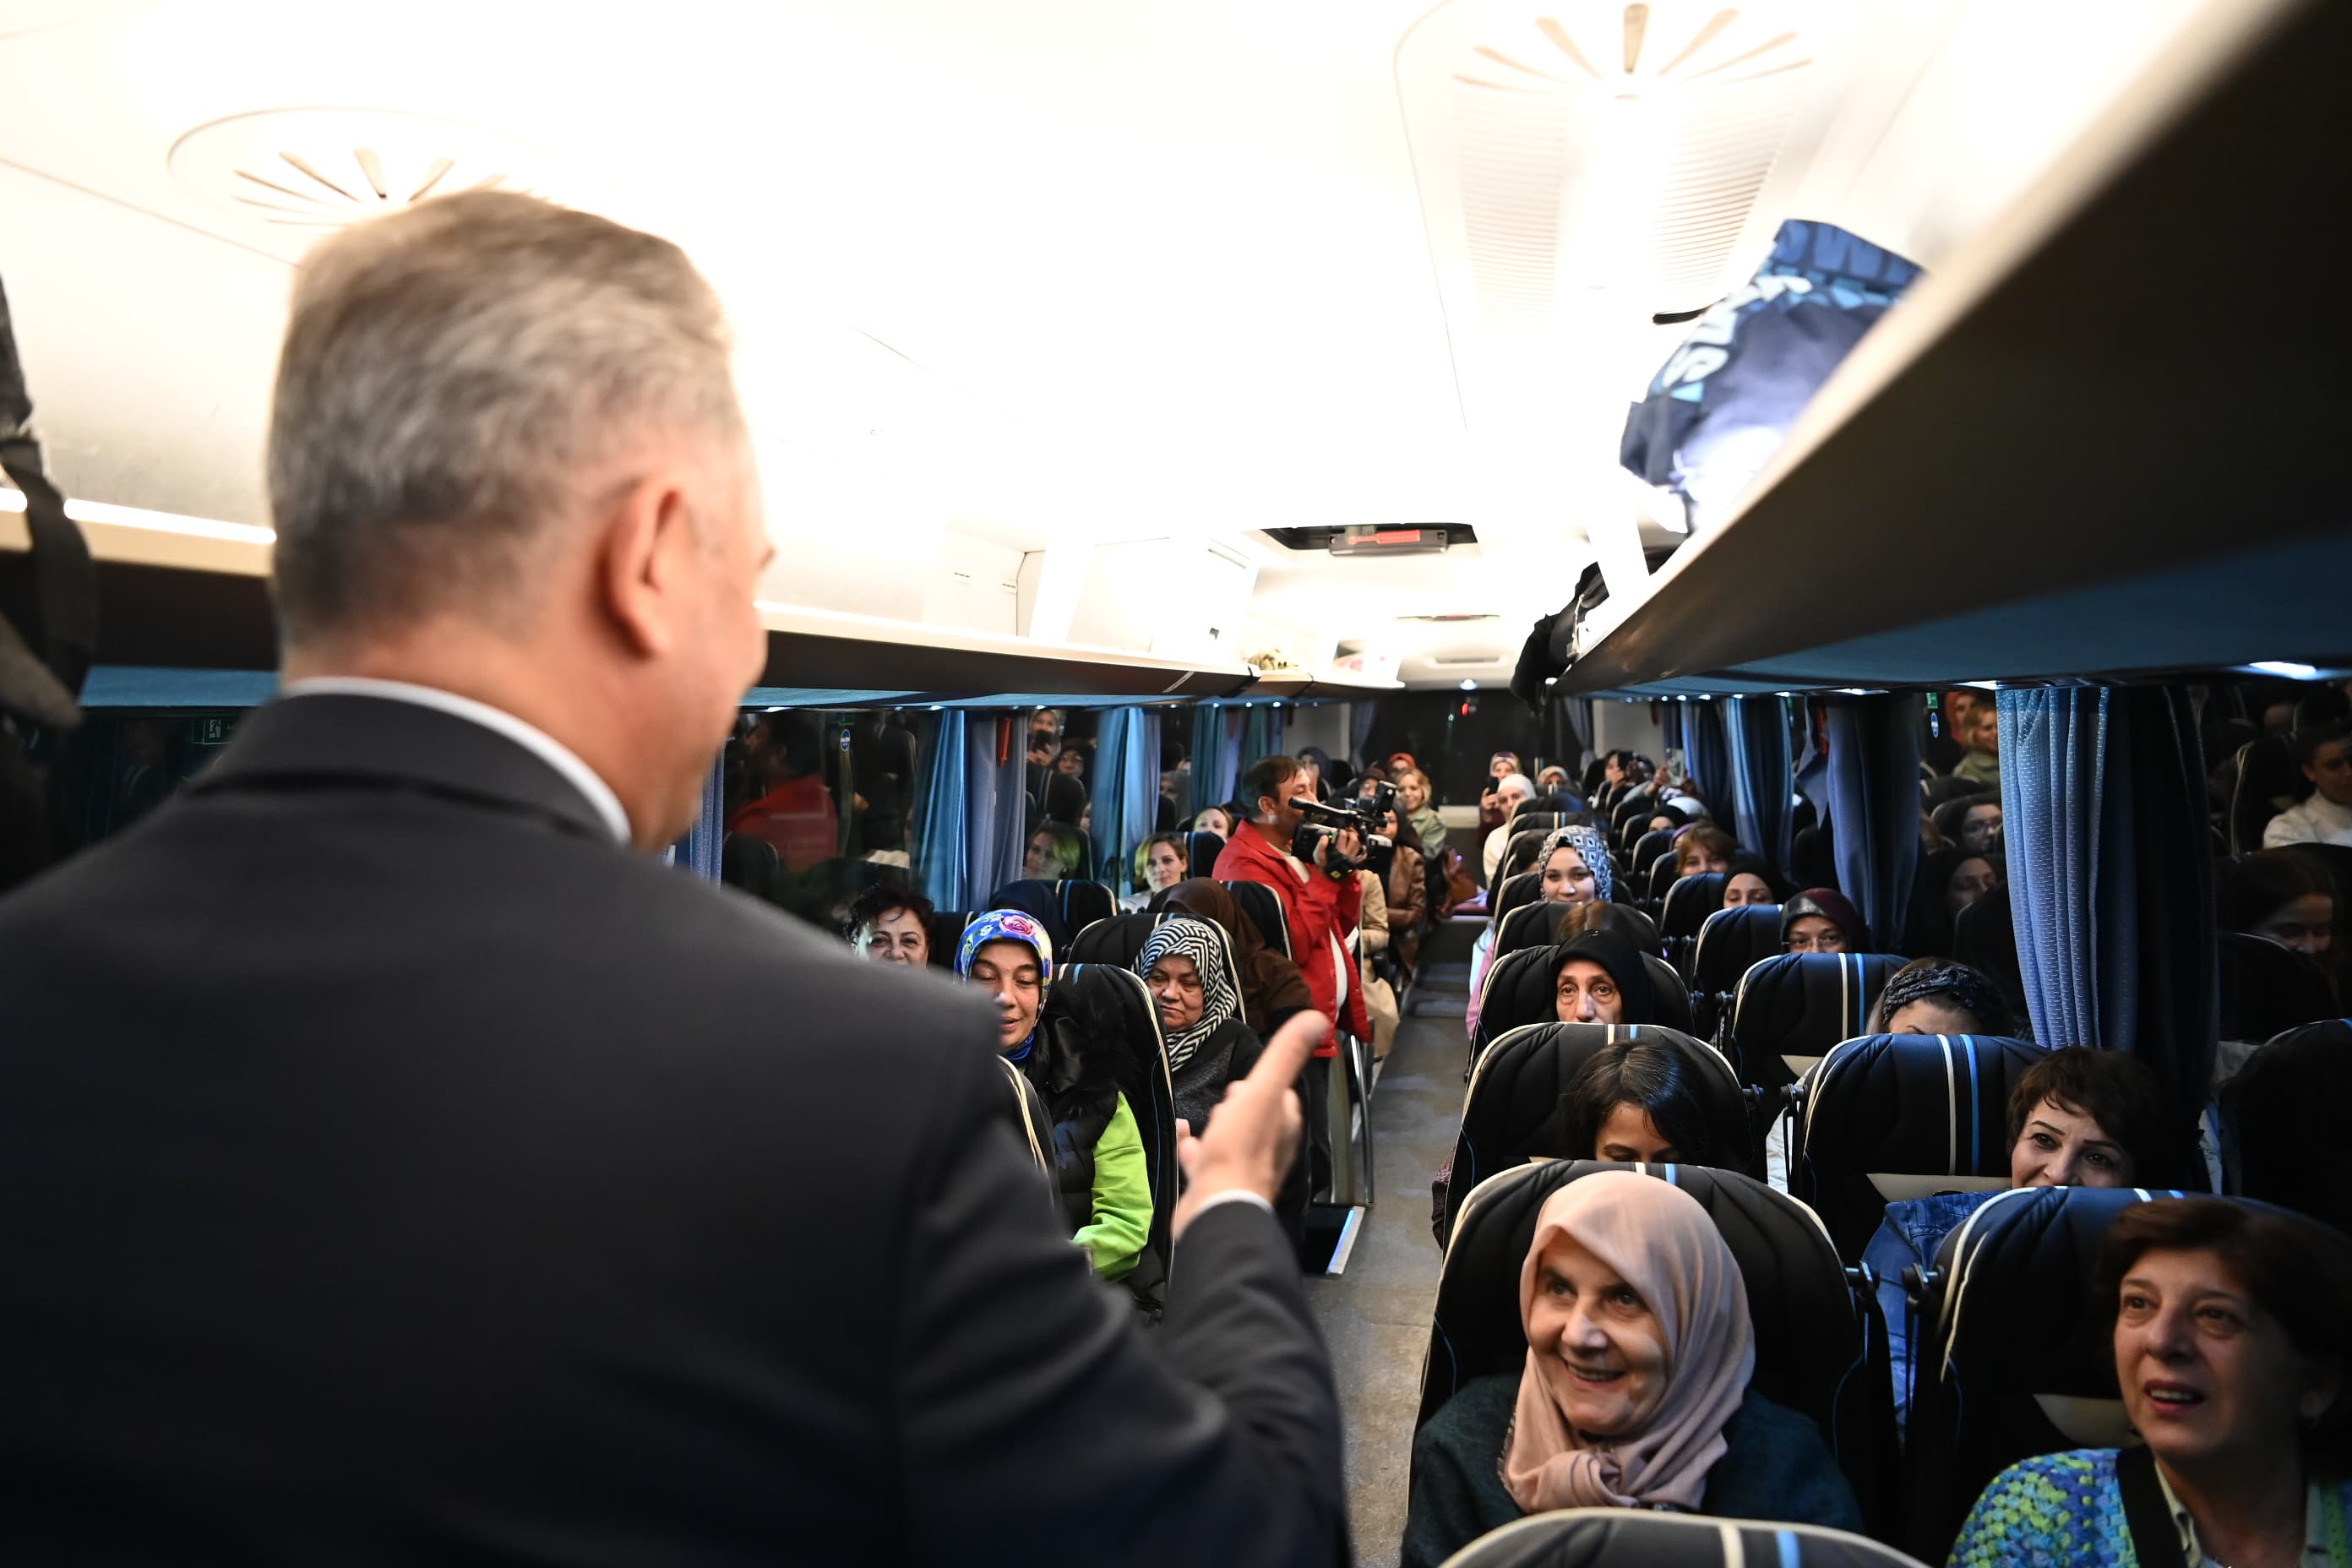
x: 1813, y: 1350
x: 1111, y: 990
x: 2281, y: 1115
x: 1521, y: 989
x: 1648, y: 849
x: 1262, y: 905
x: 1947, y: 787
x: 1511, y: 1113
x: 2016, y: 1355
x: 1519, y: 851
x: 2268, y: 782
x: 750, y: 864
x: 1660, y: 878
x: 1530, y: 925
x: 1119, y: 942
x: 1634, y: 806
x: 1203, y: 850
x: 1689, y: 900
x: 1512, y: 893
x: 946, y: 928
x: 1731, y: 943
x: 1082, y: 903
x: 1041, y: 901
x: 1033, y: 1121
x: 1591, y: 1537
x: 1883, y: 1107
x: 2268, y: 988
x: 1799, y: 1005
x: 1984, y: 937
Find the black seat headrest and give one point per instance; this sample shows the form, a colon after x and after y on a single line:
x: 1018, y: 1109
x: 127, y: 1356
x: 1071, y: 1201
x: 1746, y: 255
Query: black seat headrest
x: 1984, y: 937
x: 1519, y: 850
x: 1650, y: 848
x: 1521, y: 988
x: 1202, y: 853
x: 1262, y: 905
x: 1112, y: 991
x: 1082, y: 903
x: 1119, y: 942
x: 946, y: 931
x: 1530, y: 925
x: 1689, y: 900
x: 1731, y: 942
x: 1512, y: 893
x: 1042, y: 901
x: 1603, y: 1536
x: 1947, y: 787
x: 2268, y: 988
x: 2268, y: 782
x: 1902, y: 1105
x: 1801, y: 1003
x: 1988, y: 1394
x: 1511, y: 1113
x: 1809, y: 1349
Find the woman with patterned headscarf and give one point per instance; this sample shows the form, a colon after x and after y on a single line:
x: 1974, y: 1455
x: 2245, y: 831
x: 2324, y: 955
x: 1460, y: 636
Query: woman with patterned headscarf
x: 1636, y: 1392
x: 1104, y: 1185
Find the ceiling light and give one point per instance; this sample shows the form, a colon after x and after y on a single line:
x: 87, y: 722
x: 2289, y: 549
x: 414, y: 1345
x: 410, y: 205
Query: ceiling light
x: 154, y: 522
x: 1469, y: 686
x: 2285, y: 666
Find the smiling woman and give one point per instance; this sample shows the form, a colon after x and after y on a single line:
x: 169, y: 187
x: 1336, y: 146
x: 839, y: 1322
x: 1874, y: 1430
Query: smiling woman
x: 2233, y: 1326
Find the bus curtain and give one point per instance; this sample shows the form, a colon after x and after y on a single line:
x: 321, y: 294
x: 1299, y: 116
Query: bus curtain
x: 1873, y: 790
x: 698, y: 851
x: 1127, y: 790
x: 1706, y: 755
x: 2110, y: 885
x: 1264, y: 727
x: 1757, y: 729
x: 1213, y: 774
x: 973, y: 829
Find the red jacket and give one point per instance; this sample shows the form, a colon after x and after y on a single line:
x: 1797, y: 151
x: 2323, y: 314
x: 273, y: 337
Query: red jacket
x: 1322, y: 914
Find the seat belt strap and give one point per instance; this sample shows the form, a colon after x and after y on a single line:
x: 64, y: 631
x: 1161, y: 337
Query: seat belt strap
x: 2156, y: 1540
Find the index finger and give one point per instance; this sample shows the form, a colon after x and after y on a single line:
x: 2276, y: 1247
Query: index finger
x: 1285, y: 1056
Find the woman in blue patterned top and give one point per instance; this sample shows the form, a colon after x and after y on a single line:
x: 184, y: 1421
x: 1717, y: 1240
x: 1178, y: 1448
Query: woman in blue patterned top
x: 2233, y: 1325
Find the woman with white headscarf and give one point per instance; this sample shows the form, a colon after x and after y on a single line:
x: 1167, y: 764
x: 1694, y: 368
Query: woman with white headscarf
x: 1636, y: 1392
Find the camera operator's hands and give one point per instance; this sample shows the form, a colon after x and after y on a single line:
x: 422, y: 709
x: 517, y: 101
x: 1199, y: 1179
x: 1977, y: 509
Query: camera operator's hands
x: 1339, y: 850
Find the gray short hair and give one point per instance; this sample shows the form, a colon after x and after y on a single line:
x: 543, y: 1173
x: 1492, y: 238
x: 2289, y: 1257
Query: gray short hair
x: 450, y: 377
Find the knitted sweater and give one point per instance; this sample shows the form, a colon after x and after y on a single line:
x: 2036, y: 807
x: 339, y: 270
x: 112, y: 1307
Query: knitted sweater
x: 2058, y: 1510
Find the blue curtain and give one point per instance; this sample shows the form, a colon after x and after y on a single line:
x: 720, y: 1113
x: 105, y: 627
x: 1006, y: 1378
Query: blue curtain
x: 972, y: 823
x: 1359, y: 730
x: 1127, y: 790
x: 1264, y: 726
x: 1757, y: 730
x: 1213, y: 771
x: 1873, y: 790
x: 1709, y: 756
x: 698, y: 851
x: 2110, y: 887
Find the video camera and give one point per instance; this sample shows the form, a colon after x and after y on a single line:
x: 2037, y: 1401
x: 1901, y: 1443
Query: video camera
x: 1368, y: 817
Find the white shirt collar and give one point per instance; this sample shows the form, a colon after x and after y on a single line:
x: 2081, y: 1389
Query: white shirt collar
x: 531, y: 738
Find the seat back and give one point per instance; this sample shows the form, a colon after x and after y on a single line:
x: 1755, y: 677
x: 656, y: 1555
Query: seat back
x: 1111, y: 990
x: 1660, y: 878
x: 2268, y: 988
x: 1511, y: 1113
x: 1512, y: 893
x: 1988, y: 1393
x: 1883, y: 1107
x: 1262, y: 905
x: 1119, y: 942
x: 1813, y: 1352
x: 1030, y: 1117
x: 1603, y: 1536
x: 750, y: 864
x: 1519, y: 850
x: 1082, y: 903
x: 1202, y: 853
x: 1521, y: 988
x: 1648, y: 850
x: 1530, y: 925
x: 1947, y: 787
x: 1799, y: 1005
x: 1732, y: 942
x: 945, y: 929
x: 1688, y: 903
x: 1635, y: 805
x: 2268, y: 782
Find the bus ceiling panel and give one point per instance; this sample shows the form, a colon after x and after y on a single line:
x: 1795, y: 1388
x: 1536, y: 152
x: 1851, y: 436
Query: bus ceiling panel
x: 2124, y: 380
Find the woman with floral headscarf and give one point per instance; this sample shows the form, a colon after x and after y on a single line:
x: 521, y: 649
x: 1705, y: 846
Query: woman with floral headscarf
x: 1636, y: 1390
x: 1106, y: 1187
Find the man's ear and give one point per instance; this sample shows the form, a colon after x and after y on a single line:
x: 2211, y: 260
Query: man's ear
x: 643, y: 538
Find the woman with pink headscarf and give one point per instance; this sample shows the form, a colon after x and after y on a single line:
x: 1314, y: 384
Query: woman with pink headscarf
x: 1636, y: 1390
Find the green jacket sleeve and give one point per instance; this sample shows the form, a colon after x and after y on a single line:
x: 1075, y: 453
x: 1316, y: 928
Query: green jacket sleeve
x: 1122, y: 1223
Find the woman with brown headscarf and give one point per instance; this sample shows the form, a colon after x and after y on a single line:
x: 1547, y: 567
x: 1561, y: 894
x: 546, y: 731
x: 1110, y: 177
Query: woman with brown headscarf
x: 1635, y: 1393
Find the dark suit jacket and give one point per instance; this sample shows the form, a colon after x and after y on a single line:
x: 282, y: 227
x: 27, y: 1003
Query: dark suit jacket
x: 390, y: 1169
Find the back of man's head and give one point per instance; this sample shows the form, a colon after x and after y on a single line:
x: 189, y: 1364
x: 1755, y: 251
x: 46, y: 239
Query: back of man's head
x: 506, y: 454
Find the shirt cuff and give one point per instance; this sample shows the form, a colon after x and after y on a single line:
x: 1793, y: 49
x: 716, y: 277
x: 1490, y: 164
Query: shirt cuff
x: 1233, y: 1195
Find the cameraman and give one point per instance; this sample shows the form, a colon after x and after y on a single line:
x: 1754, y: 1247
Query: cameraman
x: 1321, y: 903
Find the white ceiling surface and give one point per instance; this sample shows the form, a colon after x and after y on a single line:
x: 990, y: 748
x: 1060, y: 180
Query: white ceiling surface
x: 1138, y: 270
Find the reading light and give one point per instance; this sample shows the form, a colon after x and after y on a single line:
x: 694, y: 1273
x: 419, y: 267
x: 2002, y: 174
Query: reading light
x: 1469, y: 686
x: 2285, y: 666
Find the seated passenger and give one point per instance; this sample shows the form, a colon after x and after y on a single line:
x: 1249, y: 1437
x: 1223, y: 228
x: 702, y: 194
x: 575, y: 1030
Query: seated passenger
x: 1669, y: 817
x: 1979, y: 826
x: 1631, y: 1102
x: 1552, y: 780
x: 2077, y: 1117
x: 1313, y: 762
x: 1821, y: 920
x: 1104, y: 1185
x: 1414, y: 798
x: 2287, y: 896
x: 1510, y: 792
x: 1940, y: 996
x: 1162, y: 861
x: 1183, y: 964
x: 1981, y: 763
x: 1749, y: 882
x: 891, y: 925
x: 1576, y: 869
x: 1601, y: 915
x: 2324, y: 752
x: 1055, y: 852
x: 1703, y: 848
x: 1272, y: 988
x: 1635, y: 1393
x: 1072, y: 760
x: 1407, y: 892
x: 1973, y: 876
x: 1213, y: 819
x: 2232, y: 1329
x: 1602, y: 980
x: 1492, y: 811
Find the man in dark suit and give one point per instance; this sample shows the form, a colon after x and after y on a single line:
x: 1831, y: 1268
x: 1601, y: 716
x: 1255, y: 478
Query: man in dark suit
x: 395, y: 1168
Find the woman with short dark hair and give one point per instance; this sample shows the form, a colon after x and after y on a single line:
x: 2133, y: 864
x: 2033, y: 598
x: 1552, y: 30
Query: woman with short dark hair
x: 1633, y: 1099
x: 2232, y: 1327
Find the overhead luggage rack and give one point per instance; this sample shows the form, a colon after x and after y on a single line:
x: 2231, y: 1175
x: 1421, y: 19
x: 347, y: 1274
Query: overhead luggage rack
x: 2111, y: 404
